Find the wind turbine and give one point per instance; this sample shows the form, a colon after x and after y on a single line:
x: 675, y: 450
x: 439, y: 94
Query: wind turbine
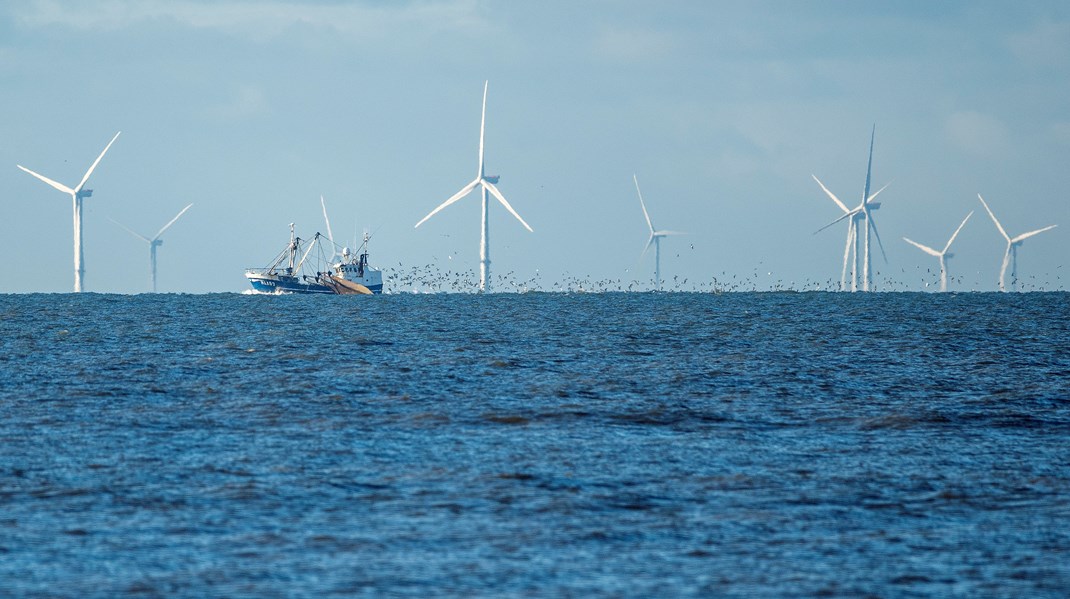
x: 77, y: 195
x: 1011, y: 253
x: 942, y: 254
x: 155, y: 242
x: 655, y: 237
x: 861, y: 212
x: 487, y: 184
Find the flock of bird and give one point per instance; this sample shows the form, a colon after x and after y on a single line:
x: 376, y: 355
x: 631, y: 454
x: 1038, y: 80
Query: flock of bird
x: 429, y: 278
x: 856, y: 255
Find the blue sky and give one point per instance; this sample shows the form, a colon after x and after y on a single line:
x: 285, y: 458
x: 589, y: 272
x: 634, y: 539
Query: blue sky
x: 252, y: 110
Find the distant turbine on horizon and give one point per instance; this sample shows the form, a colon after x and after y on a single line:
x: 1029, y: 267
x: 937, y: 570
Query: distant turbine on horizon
x: 863, y: 212
x: 1011, y: 253
x: 942, y: 254
x: 655, y: 237
x: 485, y: 182
x: 154, y: 243
x: 77, y: 195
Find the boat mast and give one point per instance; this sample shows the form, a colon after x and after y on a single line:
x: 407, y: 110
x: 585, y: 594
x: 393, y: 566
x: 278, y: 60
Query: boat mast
x: 362, y: 262
x: 293, y: 249
x: 308, y: 251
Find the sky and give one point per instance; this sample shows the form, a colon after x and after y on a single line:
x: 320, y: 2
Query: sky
x: 252, y: 110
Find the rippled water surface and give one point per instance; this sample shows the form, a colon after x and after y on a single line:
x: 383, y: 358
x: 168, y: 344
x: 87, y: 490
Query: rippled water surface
x: 539, y: 444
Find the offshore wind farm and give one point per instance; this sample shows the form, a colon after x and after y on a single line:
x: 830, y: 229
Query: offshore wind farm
x: 384, y: 140
x: 857, y: 257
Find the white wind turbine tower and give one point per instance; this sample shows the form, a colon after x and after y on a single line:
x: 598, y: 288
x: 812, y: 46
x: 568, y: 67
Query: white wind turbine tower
x: 1011, y: 254
x: 655, y: 237
x: 154, y: 243
x: 862, y: 212
x: 487, y: 184
x: 77, y: 195
x: 942, y: 254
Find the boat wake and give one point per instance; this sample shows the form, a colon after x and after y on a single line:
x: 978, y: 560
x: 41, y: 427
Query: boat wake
x: 276, y: 292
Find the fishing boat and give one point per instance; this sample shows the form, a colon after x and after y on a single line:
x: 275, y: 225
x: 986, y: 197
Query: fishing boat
x: 297, y: 269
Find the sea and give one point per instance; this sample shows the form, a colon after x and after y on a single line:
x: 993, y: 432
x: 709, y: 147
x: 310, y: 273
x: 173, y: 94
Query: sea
x: 777, y: 444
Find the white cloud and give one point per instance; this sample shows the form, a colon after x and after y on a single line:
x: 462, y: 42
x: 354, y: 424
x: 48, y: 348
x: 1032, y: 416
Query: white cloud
x: 259, y: 19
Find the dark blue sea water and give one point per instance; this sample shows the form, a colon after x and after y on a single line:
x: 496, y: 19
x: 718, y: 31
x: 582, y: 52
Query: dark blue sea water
x: 680, y: 444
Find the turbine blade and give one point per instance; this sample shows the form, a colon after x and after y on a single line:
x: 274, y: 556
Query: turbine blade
x: 956, y: 233
x: 664, y: 233
x: 58, y: 186
x: 869, y: 165
x: 649, y: 242
x: 1003, y: 269
x: 494, y: 191
x: 849, y: 214
x: 330, y: 234
x: 643, y: 253
x: 467, y: 189
x: 482, y: 128
x: 830, y: 194
x: 95, y: 163
x: 171, y: 222
x: 874, y: 196
x: 876, y: 234
x: 846, y: 253
x: 643, y: 204
x: 924, y: 248
x: 998, y: 226
x: 1025, y: 236
x: 130, y: 231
